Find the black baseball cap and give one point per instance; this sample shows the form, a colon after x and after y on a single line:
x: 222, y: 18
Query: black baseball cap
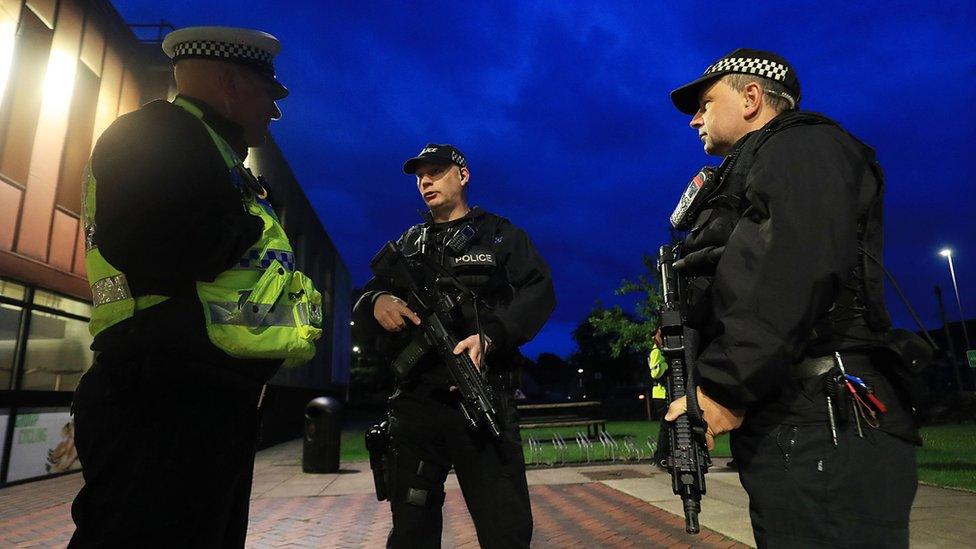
x: 436, y: 153
x: 741, y: 61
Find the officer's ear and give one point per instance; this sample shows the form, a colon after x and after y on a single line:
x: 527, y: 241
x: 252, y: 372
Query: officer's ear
x: 465, y: 176
x: 752, y: 96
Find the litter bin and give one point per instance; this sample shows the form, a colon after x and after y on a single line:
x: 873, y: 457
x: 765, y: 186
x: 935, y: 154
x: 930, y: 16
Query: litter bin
x: 323, y: 425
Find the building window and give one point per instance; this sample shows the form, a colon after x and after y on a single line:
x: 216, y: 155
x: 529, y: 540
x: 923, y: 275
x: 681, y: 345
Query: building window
x: 10, y: 312
x: 9, y: 321
x: 57, y: 352
x: 12, y: 290
x: 63, y: 304
x: 24, y: 105
x: 58, y: 344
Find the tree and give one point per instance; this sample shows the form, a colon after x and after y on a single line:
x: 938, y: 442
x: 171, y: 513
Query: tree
x: 625, y: 332
x: 603, y: 368
x: 548, y: 378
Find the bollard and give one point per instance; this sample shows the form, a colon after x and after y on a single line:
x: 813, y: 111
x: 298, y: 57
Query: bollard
x: 323, y: 425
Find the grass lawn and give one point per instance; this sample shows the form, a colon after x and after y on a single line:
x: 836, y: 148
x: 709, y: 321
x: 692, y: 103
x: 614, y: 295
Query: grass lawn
x: 948, y: 457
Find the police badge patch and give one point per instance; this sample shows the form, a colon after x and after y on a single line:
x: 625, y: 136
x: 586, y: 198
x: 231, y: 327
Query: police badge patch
x: 475, y: 256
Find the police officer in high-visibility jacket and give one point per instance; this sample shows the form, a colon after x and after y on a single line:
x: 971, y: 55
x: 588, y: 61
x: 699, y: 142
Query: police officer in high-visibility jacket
x: 658, y: 367
x: 197, y: 303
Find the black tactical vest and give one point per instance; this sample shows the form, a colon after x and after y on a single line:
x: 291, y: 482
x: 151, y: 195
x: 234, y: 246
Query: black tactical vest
x: 858, y: 317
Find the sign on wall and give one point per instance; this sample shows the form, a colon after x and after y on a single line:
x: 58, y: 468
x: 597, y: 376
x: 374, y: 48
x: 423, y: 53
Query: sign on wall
x: 43, y: 443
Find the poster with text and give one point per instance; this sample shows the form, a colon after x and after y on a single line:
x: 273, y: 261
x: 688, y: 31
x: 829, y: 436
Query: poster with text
x: 43, y: 443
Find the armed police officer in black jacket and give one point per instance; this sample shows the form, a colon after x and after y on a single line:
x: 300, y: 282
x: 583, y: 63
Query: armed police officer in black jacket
x: 475, y: 251
x: 782, y: 258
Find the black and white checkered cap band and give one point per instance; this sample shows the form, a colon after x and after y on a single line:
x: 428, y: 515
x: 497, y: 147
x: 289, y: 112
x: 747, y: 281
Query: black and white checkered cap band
x: 750, y: 65
x: 458, y: 159
x: 224, y: 50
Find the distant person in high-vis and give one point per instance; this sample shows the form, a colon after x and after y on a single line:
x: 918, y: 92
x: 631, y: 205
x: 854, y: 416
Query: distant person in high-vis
x: 658, y: 367
x: 197, y: 303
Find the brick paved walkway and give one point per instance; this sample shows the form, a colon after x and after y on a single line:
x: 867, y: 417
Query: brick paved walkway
x: 567, y: 515
x: 570, y: 515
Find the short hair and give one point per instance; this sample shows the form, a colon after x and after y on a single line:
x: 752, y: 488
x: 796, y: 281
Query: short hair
x: 777, y: 96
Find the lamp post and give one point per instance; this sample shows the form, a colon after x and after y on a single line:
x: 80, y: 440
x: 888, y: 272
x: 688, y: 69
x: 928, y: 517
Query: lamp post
x: 947, y: 253
x: 950, y: 349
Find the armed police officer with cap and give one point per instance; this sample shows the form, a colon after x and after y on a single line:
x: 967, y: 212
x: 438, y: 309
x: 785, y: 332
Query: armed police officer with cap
x: 782, y: 258
x: 197, y: 303
x: 494, y: 259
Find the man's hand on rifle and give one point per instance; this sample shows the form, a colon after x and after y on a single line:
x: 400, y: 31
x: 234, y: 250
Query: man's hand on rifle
x: 720, y: 419
x: 472, y: 346
x: 390, y: 311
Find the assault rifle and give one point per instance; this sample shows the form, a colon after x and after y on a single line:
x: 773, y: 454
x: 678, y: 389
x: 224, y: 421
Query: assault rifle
x: 688, y: 459
x: 422, y: 282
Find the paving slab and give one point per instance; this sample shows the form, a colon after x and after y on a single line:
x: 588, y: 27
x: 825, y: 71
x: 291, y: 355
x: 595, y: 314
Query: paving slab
x: 622, y: 504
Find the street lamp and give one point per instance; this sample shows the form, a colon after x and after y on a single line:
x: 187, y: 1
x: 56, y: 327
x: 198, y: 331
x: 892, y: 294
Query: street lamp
x: 355, y: 349
x: 947, y: 253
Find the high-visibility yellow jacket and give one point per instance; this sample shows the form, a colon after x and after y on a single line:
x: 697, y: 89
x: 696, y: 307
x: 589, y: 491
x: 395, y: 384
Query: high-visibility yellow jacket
x: 259, y: 308
x: 658, y: 366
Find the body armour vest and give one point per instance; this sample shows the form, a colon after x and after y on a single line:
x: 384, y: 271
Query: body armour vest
x: 858, y: 317
x: 260, y: 308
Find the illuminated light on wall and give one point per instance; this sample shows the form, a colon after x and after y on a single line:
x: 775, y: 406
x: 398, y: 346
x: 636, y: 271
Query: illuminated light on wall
x: 8, y: 30
x: 59, y: 82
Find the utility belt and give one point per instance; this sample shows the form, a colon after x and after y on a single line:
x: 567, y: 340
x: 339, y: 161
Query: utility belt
x: 442, y: 393
x: 428, y: 389
x: 180, y: 380
x: 853, y: 389
x: 817, y: 366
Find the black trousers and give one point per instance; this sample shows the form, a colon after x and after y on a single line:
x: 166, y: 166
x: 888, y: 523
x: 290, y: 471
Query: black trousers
x: 804, y: 492
x: 167, y: 449
x: 428, y: 436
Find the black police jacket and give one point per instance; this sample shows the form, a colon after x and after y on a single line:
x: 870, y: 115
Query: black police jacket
x: 776, y: 271
x: 501, y: 265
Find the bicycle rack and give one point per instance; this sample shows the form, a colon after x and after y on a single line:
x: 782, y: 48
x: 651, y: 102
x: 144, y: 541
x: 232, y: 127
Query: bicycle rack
x: 609, y: 446
x: 585, y: 446
x: 560, y: 449
x: 634, y: 451
x: 535, y: 451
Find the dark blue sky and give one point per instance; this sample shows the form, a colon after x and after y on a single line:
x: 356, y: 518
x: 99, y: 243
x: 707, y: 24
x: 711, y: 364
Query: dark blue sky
x: 563, y: 112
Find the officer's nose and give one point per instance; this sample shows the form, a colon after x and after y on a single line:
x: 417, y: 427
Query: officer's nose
x: 696, y: 121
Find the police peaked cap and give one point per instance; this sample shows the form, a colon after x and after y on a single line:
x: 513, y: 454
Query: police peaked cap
x: 436, y: 153
x: 251, y: 48
x: 741, y: 61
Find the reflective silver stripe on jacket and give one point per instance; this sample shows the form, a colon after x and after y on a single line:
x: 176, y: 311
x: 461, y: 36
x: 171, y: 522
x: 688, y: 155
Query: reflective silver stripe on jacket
x: 256, y: 315
x: 309, y: 313
x: 251, y: 314
x: 111, y: 289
